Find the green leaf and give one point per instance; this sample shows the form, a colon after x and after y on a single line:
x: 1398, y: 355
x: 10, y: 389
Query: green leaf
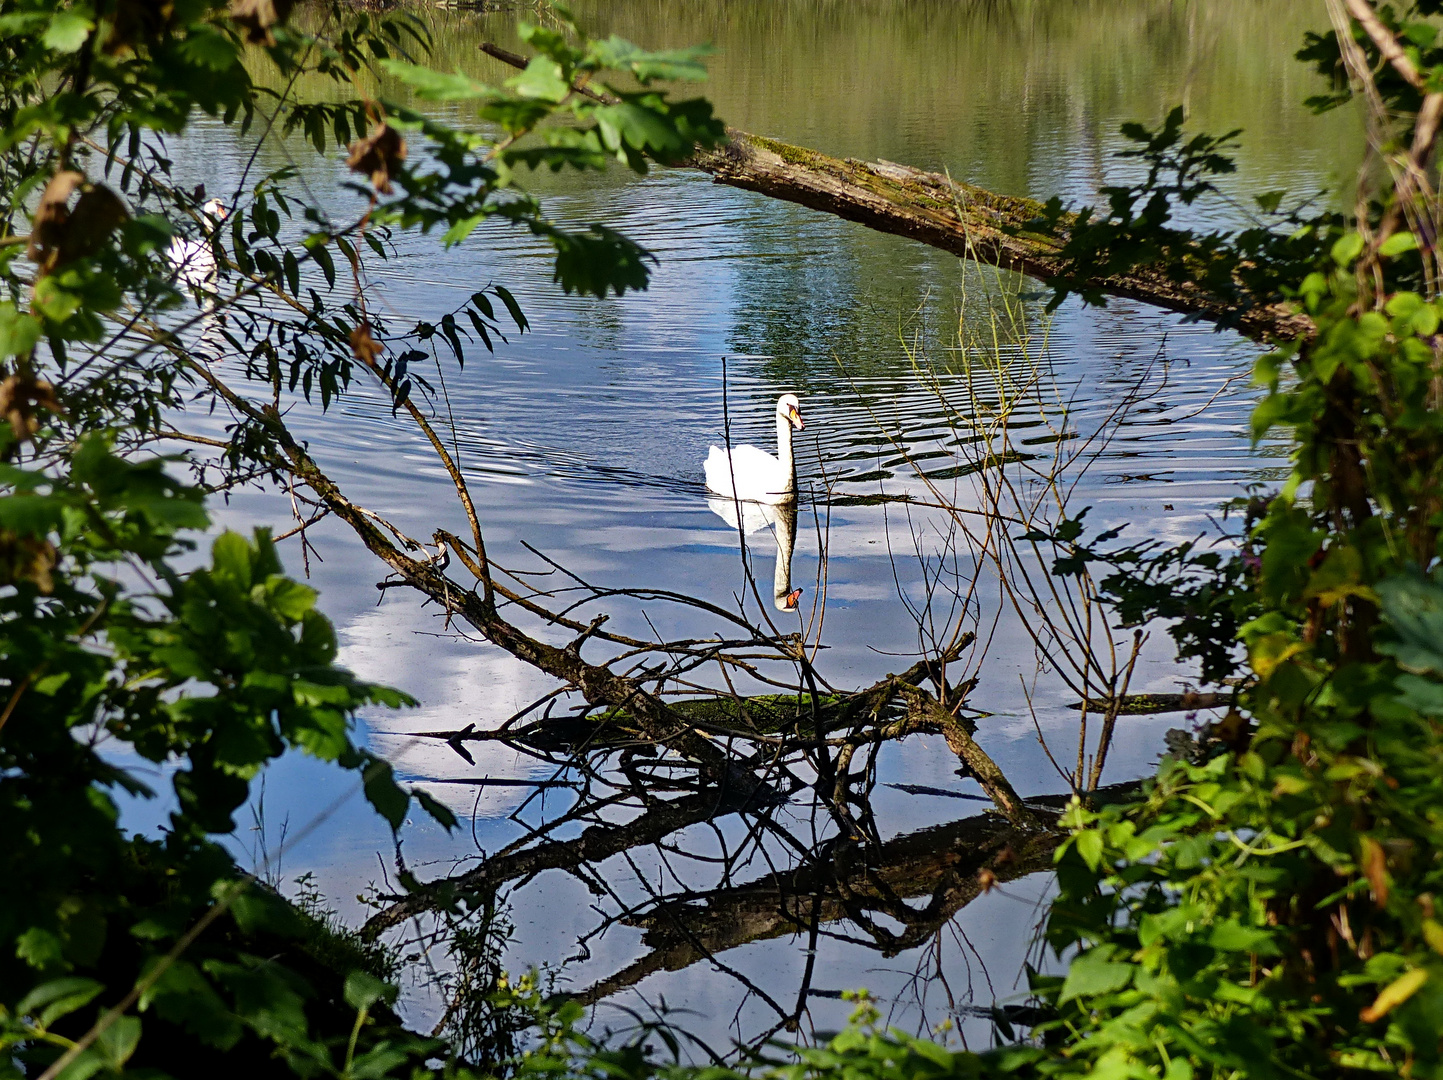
x: 1347, y: 248
x: 512, y: 306
x: 1397, y: 244
x: 292, y: 271
x: 231, y: 558
x: 51, y: 1000
x: 1413, y: 608
x: 1269, y: 201
x: 31, y: 515
x: 206, y: 47
x: 436, y: 809
x: 67, y: 31
x: 256, y: 909
x: 290, y: 599
x: 435, y: 85
x: 1232, y: 936
x: 383, y: 792
x: 382, y: 1061
x: 669, y: 65
x: 39, y: 948
x: 1093, y: 973
x: 183, y: 996
x: 1089, y: 845
x: 364, y: 990
x: 19, y: 332
x: 542, y: 80
x: 117, y: 1042
x: 322, y: 255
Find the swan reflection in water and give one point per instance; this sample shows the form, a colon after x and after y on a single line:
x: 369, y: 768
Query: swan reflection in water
x: 782, y: 517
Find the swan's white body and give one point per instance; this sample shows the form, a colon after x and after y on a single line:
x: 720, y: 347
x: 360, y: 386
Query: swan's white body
x: 749, y: 473
x: 193, y: 261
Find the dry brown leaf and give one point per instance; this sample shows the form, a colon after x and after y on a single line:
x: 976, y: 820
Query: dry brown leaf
x: 258, y: 16
x: 1374, y: 863
x: 1394, y: 994
x: 98, y: 212
x: 20, y: 396
x: 137, y: 19
x: 26, y: 558
x: 987, y: 879
x: 377, y: 154
x: 364, y: 346
x: 59, y: 233
x: 48, y: 229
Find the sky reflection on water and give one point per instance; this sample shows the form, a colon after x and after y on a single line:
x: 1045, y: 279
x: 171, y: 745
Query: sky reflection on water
x: 585, y: 437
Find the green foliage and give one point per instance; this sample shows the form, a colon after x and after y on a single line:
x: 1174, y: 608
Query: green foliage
x: 87, y: 97
x: 113, y: 660
x: 1138, y: 229
x: 213, y: 673
x: 1270, y: 912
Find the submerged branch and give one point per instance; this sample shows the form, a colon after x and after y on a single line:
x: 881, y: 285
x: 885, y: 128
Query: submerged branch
x: 948, y: 866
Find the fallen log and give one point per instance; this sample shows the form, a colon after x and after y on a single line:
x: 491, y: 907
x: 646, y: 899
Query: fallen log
x: 966, y: 220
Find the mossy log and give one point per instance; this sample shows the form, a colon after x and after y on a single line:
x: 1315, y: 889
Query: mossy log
x: 765, y: 714
x: 964, y: 219
x: 1151, y: 704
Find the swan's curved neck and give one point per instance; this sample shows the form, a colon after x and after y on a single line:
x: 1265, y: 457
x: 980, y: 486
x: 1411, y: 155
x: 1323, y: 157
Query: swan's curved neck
x: 784, y: 452
x: 785, y: 531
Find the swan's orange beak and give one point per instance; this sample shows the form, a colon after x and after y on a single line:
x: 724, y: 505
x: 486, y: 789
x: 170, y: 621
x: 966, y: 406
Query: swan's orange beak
x: 792, y: 598
x: 795, y: 417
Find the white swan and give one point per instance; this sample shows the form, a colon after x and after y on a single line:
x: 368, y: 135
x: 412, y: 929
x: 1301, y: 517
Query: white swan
x: 751, y: 474
x: 783, y: 519
x: 192, y: 260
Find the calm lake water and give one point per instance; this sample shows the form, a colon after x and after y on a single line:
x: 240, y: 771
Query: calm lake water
x: 584, y: 439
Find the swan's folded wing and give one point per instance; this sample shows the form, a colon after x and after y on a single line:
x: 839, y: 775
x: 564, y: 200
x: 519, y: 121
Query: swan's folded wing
x: 718, y: 471
x: 758, y: 477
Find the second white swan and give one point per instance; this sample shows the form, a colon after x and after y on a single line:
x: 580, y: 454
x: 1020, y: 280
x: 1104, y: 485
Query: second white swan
x: 751, y: 474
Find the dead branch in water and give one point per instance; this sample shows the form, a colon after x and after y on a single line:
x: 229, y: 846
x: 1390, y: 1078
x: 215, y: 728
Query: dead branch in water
x: 948, y: 867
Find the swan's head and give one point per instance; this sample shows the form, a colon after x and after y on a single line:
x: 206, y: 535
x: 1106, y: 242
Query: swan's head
x: 216, y: 209
x: 788, y: 601
x: 789, y: 408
